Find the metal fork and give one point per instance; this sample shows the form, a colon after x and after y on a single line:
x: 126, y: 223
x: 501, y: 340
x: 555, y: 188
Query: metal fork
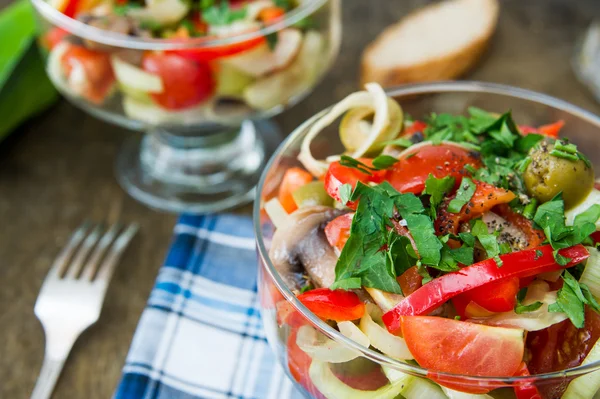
x: 71, y: 297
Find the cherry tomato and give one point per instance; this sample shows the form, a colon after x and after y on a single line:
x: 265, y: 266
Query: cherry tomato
x: 498, y: 296
x: 186, y: 83
x: 338, y: 305
x: 526, y: 390
x: 53, y: 37
x: 485, y: 198
x: 410, y: 280
x: 410, y: 173
x: 338, y: 230
x: 338, y: 175
x: 560, y: 347
x: 99, y: 76
x: 459, y: 347
x: 293, y: 179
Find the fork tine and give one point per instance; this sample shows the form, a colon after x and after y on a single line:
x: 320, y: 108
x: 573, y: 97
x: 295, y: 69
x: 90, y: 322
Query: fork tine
x: 58, y: 266
x: 92, y: 265
x: 107, y: 267
x: 83, y: 252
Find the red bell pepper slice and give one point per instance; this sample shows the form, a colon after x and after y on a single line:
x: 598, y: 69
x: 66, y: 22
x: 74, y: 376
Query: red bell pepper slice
x: 207, y: 54
x: 499, y: 296
x: 526, y: 390
x: 338, y: 305
x: 524, y: 263
x: 486, y: 197
x: 550, y: 130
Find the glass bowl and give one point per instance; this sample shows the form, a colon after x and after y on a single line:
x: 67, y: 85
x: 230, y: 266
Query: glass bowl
x: 197, y: 156
x: 278, y: 303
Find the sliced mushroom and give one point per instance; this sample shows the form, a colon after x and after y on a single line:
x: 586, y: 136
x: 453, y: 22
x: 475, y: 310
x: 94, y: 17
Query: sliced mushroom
x: 301, y: 248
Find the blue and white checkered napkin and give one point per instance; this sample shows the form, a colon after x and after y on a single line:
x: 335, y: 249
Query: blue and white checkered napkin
x: 201, y: 334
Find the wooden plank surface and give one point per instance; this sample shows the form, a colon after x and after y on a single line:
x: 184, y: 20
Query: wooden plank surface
x: 57, y: 170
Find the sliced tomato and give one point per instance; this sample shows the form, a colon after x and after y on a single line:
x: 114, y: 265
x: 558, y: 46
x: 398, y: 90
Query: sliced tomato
x: 338, y: 175
x: 186, y: 83
x: 595, y: 236
x: 526, y: 390
x: 207, y: 54
x: 485, y: 198
x: 498, y: 296
x: 338, y: 305
x: 410, y: 173
x: 96, y: 66
x: 535, y: 237
x: 293, y: 179
x: 560, y: 347
x: 459, y: 347
x: 410, y: 280
x: 338, y: 230
x: 299, y: 364
x: 53, y: 37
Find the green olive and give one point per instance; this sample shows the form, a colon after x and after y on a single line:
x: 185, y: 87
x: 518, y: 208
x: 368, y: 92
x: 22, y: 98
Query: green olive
x: 356, y: 125
x: 312, y: 194
x: 547, y: 175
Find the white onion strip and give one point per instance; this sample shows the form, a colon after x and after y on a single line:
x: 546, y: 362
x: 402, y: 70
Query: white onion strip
x: 374, y: 98
x: 393, y: 346
x: 319, y: 347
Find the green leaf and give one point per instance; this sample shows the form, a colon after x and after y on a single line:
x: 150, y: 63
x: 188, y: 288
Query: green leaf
x: 468, y: 238
x: 525, y: 143
x: 570, y: 300
x: 590, y: 215
x: 480, y: 120
x: 384, y: 161
x: 272, y: 39
x: 222, y: 14
x: 345, y: 192
x: 589, y: 297
x: 350, y: 162
x: 520, y: 309
x: 398, y: 254
x: 307, y: 287
x: 437, y: 189
x: 400, y: 142
x: 423, y: 233
x: 463, y: 255
x: 350, y: 283
x: 463, y: 195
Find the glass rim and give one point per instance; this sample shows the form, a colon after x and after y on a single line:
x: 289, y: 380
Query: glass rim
x: 412, y: 89
x: 115, y: 39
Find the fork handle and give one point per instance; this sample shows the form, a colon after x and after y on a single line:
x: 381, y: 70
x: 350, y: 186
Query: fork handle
x: 49, y: 374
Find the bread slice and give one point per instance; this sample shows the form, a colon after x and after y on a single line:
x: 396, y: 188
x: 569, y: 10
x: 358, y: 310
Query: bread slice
x: 438, y: 42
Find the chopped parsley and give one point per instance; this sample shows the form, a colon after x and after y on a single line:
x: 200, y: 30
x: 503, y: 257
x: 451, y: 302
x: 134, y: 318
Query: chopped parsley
x: 463, y: 195
x: 572, y: 298
x: 437, y: 190
x: 221, y: 14
x: 345, y: 192
x: 520, y: 308
x: 380, y: 163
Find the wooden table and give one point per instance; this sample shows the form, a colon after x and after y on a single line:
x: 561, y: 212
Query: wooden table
x: 57, y: 170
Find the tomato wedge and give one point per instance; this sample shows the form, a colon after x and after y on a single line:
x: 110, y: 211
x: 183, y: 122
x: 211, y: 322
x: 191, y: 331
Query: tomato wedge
x: 410, y: 280
x: 299, y: 364
x: 524, y: 263
x: 485, y: 198
x: 459, y: 347
x: 338, y: 175
x: 96, y: 66
x: 186, y: 83
x: 410, y: 173
x: 338, y: 305
x: 525, y: 390
x: 338, y: 230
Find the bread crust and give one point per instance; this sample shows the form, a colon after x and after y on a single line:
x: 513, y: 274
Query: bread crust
x: 445, y: 67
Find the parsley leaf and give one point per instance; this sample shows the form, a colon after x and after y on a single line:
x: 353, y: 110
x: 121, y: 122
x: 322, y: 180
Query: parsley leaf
x: 437, y: 189
x: 571, y: 300
x: 463, y: 195
x: 520, y: 308
x: 307, y: 287
x: 400, y: 142
x: 345, y: 192
x: 488, y: 241
x: 590, y: 215
x: 347, y: 284
x: 423, y: 233
x: 222, y: 14
x: 384, y: 162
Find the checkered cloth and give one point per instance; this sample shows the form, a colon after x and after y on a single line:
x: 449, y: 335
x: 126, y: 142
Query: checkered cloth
x: 201, y: 334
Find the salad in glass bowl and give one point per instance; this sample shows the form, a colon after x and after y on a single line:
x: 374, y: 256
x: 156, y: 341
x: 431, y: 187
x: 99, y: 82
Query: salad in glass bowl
x: 198, y: 76
x: 427, y: 247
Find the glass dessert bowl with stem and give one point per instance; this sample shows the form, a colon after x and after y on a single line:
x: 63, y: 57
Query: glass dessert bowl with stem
x: 201, y: 80
x: 370, y: 332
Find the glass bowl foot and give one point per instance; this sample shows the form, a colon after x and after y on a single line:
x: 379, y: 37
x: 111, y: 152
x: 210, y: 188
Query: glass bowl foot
x: 197, y: 174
